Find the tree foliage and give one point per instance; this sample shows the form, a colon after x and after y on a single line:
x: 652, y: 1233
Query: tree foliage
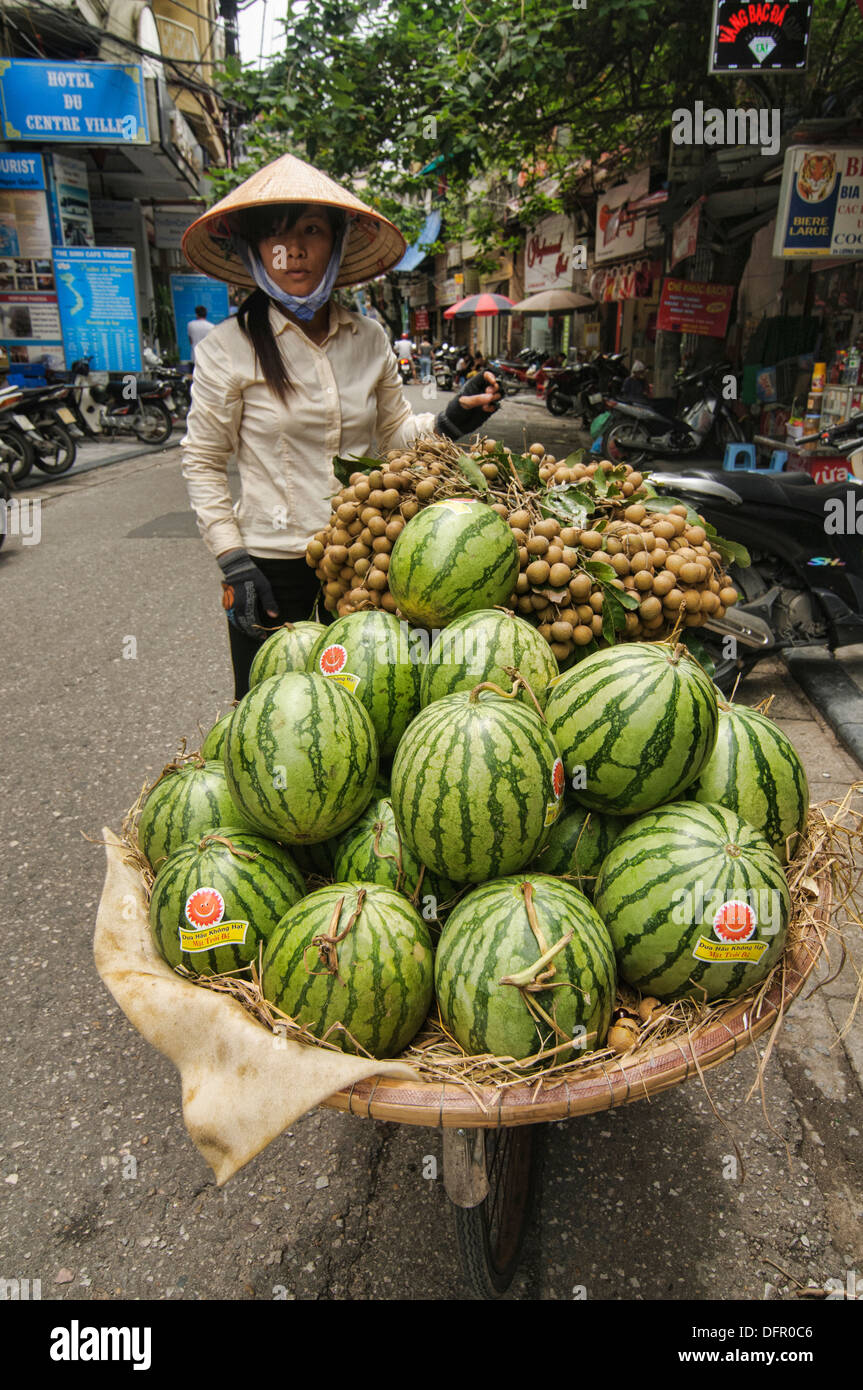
x: 375, y: 93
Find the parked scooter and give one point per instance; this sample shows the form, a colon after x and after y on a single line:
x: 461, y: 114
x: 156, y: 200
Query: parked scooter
x: 519, y: 374
x: 47, y: 410
x: 109, y: 408
x: 17, y: 451
x: 640, y: 430
x: 804, y: 587
x: 584, y: 387
x: 5, y: 496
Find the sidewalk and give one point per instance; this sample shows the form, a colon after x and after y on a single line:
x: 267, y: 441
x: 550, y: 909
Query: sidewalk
x: 99, y: 453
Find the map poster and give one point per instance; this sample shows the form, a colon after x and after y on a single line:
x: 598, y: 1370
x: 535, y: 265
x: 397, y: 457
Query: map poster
x: 99, y: 306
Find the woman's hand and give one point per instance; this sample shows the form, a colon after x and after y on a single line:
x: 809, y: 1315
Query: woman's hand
x: 245, y: 592
x: 486, y: 398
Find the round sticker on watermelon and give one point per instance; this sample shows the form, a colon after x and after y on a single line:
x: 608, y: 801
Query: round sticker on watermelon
x: 333, y: 659
x: 558, y: 782
x: 735, y: 921
x: 205, y: 907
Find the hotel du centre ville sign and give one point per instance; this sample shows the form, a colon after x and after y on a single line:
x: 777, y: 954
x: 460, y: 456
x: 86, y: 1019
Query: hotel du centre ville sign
x: 82, y: 103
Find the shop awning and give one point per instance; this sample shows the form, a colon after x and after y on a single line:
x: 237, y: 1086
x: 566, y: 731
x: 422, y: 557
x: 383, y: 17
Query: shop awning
x: 418, y: 252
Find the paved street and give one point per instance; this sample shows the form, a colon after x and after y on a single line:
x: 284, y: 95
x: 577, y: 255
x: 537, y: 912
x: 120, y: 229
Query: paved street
x: 114, y: 647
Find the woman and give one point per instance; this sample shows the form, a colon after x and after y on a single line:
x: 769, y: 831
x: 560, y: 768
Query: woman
x: 291, y: 382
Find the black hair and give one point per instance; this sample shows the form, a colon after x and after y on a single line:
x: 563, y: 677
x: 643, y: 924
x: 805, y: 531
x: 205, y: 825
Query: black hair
x: 201, y: 311
x: 253, y: 225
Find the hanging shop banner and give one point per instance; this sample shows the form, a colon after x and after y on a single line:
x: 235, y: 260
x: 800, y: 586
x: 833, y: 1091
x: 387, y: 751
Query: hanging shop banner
x: 23, y: 171
x: 548, y: 251
x: 618, y: 232
x: 99, y: 306
x: 187, y: 292
x: 628, y: 280
x: 820, y: 203
x: 70, y: 202
x: 688, y: 306
x: 86, y: 103
x: 684, y: 238
x: 767, y: 37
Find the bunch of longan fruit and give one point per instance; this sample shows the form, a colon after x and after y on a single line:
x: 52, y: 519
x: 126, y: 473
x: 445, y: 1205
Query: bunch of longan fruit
x: 665, y: 561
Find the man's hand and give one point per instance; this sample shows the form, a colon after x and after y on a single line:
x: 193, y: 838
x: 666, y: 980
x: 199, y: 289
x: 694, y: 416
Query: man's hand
x: 466, y: 412
x: 246, y: 593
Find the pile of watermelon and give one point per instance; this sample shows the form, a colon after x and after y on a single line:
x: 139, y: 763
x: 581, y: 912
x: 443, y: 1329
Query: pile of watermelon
x: 420, y: 813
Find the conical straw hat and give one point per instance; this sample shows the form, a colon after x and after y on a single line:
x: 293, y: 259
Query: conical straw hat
x: 374, y: 244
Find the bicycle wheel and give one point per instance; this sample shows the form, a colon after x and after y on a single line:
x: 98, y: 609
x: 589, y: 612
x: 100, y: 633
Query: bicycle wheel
x: 63, y: 450
x: 490, y: 1235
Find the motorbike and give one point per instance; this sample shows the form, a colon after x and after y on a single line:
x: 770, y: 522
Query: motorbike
x: 108, y: 407
x: 520, y: 374
x: 406, y: 370
x: 47, y: 410
x: 5, y: 495
x: 17, y: 451
x: 584, y: 386
x: 640, y: 429
x: 442, y: 370
x: 804, y: 586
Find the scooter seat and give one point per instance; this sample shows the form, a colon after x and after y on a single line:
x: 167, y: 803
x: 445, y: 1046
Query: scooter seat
x: 795, y: 490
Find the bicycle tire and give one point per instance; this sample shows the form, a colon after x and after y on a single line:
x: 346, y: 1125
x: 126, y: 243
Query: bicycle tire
x: 491, y: 1235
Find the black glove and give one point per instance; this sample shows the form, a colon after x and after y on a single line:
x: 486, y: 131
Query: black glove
x: 246, y: 593
x: 457, y: 419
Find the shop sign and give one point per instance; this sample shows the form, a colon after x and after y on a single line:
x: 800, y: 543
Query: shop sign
x: 765, y: 37
x: 628, y: 280
x: 548, y: 255
x: 99, y: 306
x: 684, y: 238
x: 24, y: 171
x: 689, y: 306
x: 821, y: 202
x: 170, y: 223
x: 187, y: 292
x: 421, y: 320
x: 619, y: 233
x: 86, y: 103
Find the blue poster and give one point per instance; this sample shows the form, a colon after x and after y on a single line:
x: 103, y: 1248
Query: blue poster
x: 187, y: 292
x: 99, y: 306
x: 87, y: 103
x: 22, y: 171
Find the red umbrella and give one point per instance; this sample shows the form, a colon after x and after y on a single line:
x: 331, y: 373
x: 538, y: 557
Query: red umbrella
x: 483, y: 305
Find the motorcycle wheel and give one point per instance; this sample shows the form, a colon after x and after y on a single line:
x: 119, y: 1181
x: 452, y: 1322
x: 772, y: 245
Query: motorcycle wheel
x: 728, y: 431
x: 17, y: 454
x: 152, y: 423
x: 509, y: 387
x: 630, y: 452
x: 63, y: 449
x: 557, y: 402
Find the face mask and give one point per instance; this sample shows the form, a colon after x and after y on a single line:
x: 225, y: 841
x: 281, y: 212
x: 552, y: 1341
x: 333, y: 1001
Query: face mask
x: 304, y: 306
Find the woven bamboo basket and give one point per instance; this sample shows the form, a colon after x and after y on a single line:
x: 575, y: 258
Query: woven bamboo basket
x: 606, y: 1084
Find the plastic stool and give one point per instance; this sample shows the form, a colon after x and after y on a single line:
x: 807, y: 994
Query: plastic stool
x: 778, y: 460
x: 739, y: 458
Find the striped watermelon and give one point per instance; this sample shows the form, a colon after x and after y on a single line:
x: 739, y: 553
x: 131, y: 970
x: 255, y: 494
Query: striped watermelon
x: 287, y: 650
x: 185, y: 802
x: 213, y: 746
x: 635, y: 724
x: 301, y: 758
x: 377, y: 981
x: 453, y: 557
x: 489, y: 937
x: 372, y: 851
x: 480, y: 647
x: 227, y: 887
x: 369, y: 653
x: 577, y: 844
x: 755, y: 771
x: 696, y: 902
x: 476, y: 782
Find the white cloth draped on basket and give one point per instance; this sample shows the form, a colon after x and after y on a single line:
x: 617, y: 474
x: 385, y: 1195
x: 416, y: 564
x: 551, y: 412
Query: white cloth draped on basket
x: 240, y: 1086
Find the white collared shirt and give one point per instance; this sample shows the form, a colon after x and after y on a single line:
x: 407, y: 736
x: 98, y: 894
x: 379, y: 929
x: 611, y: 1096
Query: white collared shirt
x: 346, y: 398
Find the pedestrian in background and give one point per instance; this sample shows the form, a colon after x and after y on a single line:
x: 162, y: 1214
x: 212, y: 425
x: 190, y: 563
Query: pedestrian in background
x: 198, y: 328
x: 425, y: 360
